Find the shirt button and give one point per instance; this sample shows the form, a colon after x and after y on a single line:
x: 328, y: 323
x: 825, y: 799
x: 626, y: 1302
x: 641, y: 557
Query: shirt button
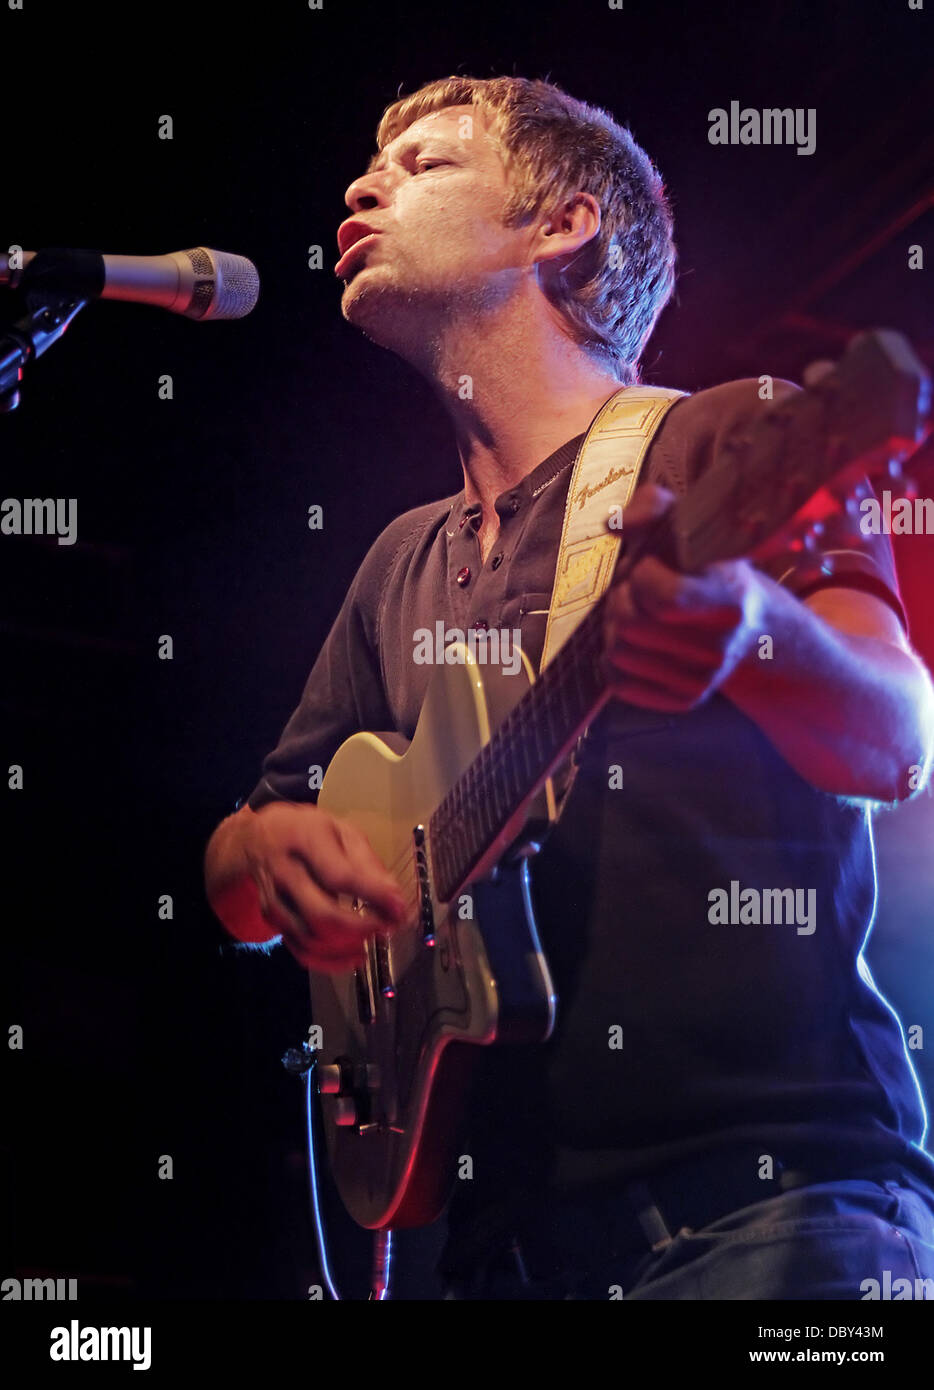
x: 463, y: 576
x: 496, y: 561
x: 513, y: 505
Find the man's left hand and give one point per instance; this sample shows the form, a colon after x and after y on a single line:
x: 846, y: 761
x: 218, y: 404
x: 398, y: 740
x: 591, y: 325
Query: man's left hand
x: 672, y: 639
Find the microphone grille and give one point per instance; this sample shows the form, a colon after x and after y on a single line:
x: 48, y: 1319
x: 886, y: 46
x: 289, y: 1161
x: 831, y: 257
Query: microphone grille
x: 226, y: 286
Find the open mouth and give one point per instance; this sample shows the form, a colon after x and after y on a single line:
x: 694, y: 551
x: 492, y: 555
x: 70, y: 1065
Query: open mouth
x: 347, y: 258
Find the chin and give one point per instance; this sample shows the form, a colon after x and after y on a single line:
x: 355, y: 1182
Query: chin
x: 379, y: 309
x: 361, y: 297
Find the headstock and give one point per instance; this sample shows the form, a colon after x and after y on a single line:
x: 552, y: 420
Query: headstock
x: 807, y: 455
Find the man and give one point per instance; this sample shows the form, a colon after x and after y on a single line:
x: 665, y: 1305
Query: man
x: 760, y: 1131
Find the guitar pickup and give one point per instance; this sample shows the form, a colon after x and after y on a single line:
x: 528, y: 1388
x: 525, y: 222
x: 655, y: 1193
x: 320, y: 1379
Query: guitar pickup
x: 366, y: 998
x: 425, y: 911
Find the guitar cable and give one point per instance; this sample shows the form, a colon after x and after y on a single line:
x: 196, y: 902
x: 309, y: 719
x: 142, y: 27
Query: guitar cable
x: 302, y: 1062
x: 317, y: 1221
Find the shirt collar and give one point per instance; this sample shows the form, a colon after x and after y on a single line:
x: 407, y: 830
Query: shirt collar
x: 528, y: 488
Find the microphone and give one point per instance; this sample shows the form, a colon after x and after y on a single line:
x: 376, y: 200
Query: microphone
x: 198, y: 283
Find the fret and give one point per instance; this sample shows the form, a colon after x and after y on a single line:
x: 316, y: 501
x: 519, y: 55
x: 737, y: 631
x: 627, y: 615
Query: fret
x: 526, y: 765
x: 487, y: 782
x: 504, y: 764
x: 495, y: 749
x: 486, y: 818
x: 487, y: 793
x: 468, y: 829
x: 512, y: 781
x: 457, y: 792
x: 498, y: 795
x: 577, y: 674
x: 552, y: 716
x: 564, y: 702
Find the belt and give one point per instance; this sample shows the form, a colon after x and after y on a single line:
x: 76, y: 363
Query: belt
x: 553, y: 1232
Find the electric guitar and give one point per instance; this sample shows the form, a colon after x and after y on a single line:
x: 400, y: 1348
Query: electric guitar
x: 456, y: 814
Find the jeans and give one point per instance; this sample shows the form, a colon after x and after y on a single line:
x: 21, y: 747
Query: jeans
x: 850, y: 1239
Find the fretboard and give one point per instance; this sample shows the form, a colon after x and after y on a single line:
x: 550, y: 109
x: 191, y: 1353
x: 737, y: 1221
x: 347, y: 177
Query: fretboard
x: 529, y: 744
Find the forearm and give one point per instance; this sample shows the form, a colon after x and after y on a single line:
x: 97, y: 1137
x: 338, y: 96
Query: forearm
x: 229, y: 887
x: 852, y: 714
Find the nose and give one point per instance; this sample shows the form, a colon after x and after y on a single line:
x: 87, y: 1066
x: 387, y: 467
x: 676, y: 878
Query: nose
x: 369, y: 191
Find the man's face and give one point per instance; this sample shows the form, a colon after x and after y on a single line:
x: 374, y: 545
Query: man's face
x: 434, y: 197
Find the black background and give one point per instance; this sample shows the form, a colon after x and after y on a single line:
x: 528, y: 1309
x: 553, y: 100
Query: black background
x: 146, y: 1037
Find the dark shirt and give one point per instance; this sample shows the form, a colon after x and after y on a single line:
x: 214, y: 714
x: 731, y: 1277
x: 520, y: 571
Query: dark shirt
x: 731, y: 1034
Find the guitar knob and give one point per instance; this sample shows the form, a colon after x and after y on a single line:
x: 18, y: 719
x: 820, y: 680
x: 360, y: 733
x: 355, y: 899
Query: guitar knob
x: 329, y: 1080
x: 345, y: 1111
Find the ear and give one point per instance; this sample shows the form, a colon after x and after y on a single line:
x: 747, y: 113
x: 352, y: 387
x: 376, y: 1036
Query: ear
x: 566, y: 231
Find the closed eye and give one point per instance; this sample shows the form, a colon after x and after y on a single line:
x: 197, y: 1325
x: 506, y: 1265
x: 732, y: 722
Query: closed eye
x: 431, y: 164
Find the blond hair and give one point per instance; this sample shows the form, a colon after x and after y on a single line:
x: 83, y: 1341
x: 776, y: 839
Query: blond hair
x: 552, y: 146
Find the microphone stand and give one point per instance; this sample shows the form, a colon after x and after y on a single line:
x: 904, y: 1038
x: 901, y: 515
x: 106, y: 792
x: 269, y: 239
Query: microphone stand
x: 48, y: 315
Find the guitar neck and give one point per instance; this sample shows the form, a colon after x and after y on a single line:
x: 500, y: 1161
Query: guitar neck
x: 534, y: 738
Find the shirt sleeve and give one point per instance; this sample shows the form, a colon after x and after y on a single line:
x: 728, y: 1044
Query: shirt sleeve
x: 843, y: 556
x: 342, y: 696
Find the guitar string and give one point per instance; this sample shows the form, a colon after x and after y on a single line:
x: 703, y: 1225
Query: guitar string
x: 500, y: 745
x: 503, y: 742
x: 408, y: 855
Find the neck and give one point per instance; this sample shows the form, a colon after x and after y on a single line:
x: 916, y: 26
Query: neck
x: 516, y: 388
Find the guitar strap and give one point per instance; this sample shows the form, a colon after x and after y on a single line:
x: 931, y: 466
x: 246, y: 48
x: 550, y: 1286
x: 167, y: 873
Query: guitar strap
x: 605, y: 474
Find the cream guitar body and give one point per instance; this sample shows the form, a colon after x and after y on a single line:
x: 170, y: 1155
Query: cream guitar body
x: 395, y: 1054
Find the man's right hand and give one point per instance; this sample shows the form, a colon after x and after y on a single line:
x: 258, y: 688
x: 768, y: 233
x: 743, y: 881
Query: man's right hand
x: 294, y: 859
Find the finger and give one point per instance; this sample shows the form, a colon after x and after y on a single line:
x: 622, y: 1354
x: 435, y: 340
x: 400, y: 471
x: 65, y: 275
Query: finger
x: 276, y: 912
x: 329, y: 865
x: 373, y: 883
x: 312, y: 957
x: 647, y: 504
x: 649, y: 695
x: 329, y: 955
x: 317, y: 908
x: 316, y: 904
x: 303, y: 938
x: 668, y: 597
x: 679, y: 678
x: 687, y: 643
x: 656, y: 589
